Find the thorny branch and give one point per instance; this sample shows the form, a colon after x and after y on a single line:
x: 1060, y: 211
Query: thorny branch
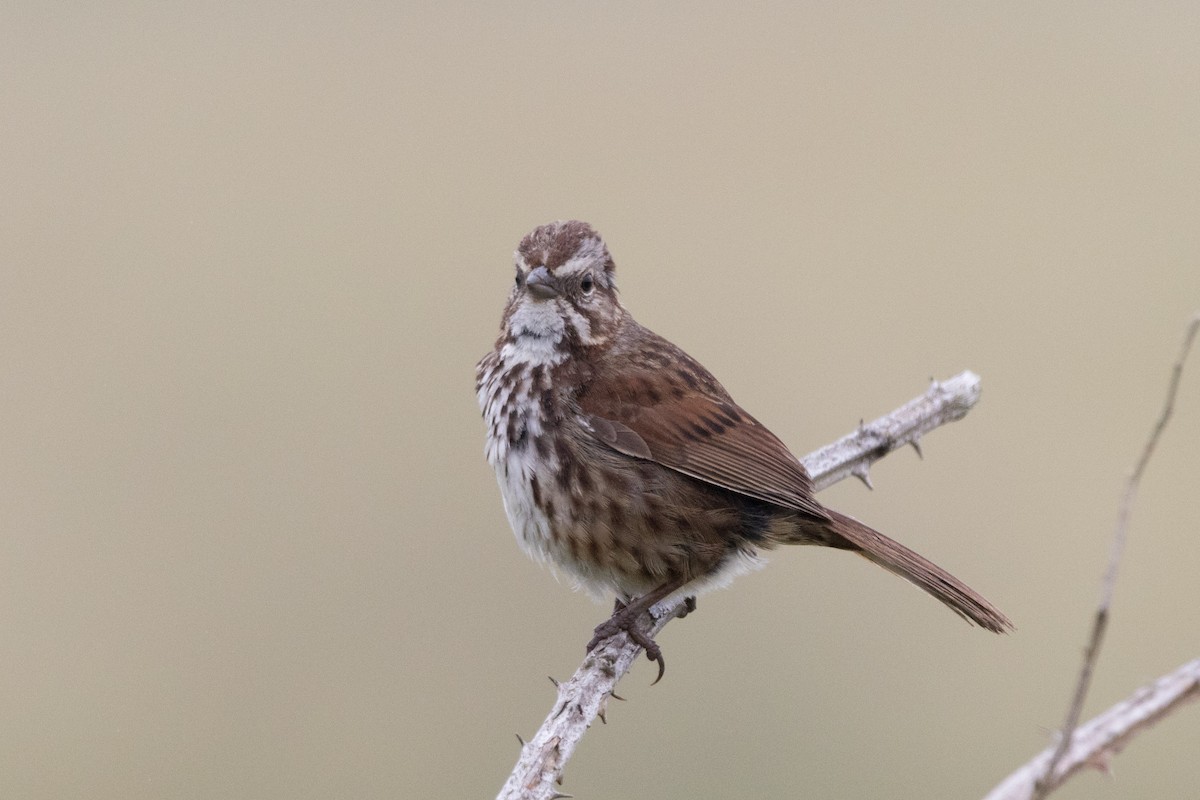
x: 585, y: 696
x: 1105, y: 735
x: 1096, y: 741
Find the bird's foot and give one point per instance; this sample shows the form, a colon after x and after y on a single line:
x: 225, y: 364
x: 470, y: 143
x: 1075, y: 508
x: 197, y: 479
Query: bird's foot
x: 624, y: 620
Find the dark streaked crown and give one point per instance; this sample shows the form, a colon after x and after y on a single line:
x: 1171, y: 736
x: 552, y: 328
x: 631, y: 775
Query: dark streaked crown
x: 554, y: 244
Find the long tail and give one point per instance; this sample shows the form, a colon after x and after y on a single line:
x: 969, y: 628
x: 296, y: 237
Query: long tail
x: 898, y: 559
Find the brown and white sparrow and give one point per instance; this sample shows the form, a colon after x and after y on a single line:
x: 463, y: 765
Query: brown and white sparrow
x: 626, y: 465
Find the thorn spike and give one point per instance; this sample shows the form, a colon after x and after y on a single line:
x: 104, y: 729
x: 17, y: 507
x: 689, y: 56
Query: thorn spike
x: 863, y: 474
x: 556, y: 683
x: 519, y: 739
x: 916, y: 445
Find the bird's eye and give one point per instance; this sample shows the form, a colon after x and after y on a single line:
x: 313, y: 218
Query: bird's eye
x: 587, y: 284
x: 520, y: 279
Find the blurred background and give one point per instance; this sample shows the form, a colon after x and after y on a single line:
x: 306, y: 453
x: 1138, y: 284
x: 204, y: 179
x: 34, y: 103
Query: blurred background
x: 250, y: 254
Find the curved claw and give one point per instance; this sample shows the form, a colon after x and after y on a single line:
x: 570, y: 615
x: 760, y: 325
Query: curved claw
x: 653, y: 651
x: 626, y: 623
x: 662, y: 664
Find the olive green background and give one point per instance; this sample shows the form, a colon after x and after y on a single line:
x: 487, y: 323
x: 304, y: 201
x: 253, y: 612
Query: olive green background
x: 250, y: 253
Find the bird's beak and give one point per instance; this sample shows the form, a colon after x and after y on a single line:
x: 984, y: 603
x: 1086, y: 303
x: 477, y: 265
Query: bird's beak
x: 540, y: 284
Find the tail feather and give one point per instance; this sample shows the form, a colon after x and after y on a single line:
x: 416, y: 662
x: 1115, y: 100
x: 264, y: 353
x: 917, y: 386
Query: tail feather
x: 899, y: 560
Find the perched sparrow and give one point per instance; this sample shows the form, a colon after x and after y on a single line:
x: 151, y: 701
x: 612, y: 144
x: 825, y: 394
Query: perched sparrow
x: 626, y: 465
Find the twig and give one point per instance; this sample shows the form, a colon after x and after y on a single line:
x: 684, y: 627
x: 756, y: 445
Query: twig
x: 1047, y: 783
x: 853, y: 454
x: 585, y: 696
x: 1097, y: 741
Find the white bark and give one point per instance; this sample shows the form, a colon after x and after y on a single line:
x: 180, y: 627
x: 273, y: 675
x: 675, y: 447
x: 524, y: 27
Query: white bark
x: 1095, y: 742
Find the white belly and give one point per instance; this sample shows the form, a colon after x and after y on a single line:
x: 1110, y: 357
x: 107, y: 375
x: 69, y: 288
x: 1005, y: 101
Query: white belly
x: 516, y: 464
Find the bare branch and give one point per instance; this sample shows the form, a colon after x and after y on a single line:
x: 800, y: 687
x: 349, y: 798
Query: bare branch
x: 853, y: 454
x: 585, y: 696
x: 1095, y: 742
x: 1109, y: 583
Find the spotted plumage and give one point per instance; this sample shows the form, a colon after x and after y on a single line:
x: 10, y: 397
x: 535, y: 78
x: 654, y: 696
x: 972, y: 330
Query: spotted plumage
x: 625, y: 464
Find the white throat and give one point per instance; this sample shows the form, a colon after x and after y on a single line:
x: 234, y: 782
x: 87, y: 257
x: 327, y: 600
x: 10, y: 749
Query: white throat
x: 537, y: 329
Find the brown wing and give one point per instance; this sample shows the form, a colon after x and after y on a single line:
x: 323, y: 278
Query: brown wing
x: 681, y: 417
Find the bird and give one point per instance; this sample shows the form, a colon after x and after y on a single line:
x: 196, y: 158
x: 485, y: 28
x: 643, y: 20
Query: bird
x: 625, y: 465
